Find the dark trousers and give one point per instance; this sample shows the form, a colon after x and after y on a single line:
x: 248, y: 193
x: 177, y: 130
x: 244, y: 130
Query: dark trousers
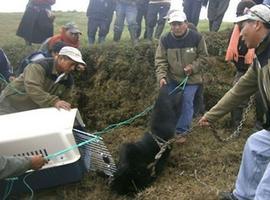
x: 192, y: 9
x: 155, y: 15
x: 142, y: 14
x: 97, y: 24
x: 216, y: 11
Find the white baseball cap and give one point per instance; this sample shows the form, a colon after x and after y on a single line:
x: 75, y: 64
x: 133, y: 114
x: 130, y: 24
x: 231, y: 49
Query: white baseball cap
x: 73, y: 53
x: 260, y: 12
x: 176, y: 16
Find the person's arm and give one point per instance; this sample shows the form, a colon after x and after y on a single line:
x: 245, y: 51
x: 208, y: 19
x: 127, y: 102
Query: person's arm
x: 11, y: 166
x: 161, y: 63
x: 244, y: 88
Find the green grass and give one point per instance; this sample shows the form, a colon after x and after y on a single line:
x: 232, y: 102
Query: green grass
x: 10, y: 21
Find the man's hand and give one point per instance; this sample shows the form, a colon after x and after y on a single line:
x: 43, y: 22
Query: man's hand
x: 37, y: 162
x: 204, y: 121
x: 188, y: 69
x: 62, y: 104
x: 162, y: 82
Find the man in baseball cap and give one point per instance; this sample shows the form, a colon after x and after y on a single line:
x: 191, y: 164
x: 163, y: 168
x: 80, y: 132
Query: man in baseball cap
x: 179, y: 54
x: 253, y: 180
x: 44, y: 83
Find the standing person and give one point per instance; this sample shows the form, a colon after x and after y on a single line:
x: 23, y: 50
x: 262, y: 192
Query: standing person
x: 180, y: 53
x: 215, y: 13
x: 157, y: 11
x: 99, y: 13
x: 192, y: 9
x: 44, y: 83
x: 11, y: 166
x: 142, y: 7
x: 126, y: 9
x: 241, y: 56
x: 70, y: 35
x: 253, y: 180
x: 37, y: 22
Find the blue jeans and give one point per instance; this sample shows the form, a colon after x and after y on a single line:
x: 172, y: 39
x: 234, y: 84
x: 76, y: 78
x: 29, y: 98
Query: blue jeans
x: 128, y: 12
x: 187, y: 107
x: 253, y: 180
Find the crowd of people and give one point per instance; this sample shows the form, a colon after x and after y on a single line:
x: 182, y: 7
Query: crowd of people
x: 44, y: 79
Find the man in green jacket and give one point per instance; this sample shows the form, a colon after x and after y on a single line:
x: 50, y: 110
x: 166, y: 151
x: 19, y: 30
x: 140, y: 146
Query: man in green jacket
x: 253, y: 180
x: 181, y: 53
x: 11, y: 166
x: 44, y: 83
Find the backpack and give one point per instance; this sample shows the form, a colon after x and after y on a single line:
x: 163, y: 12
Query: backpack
x: 27, y: 60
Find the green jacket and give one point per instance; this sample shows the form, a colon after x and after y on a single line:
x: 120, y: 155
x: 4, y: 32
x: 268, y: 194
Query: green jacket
x: 36, y: 87
x: 256, y: 78
x: 13, y: 166
x: 174, y: 54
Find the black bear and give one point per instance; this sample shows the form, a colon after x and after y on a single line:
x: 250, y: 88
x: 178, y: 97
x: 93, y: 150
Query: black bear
x: 137, y: 165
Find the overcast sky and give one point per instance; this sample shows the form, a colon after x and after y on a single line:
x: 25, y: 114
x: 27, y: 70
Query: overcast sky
x: 81, y: 5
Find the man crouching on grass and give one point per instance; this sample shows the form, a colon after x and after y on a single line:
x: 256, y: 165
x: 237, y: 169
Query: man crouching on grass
x: 44, y: 83
x: 253, y: 180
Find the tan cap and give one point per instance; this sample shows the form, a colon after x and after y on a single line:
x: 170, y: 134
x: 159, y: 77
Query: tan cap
x: 73, y: 53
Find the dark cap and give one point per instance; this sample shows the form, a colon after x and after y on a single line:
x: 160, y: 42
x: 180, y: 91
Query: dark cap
x: 242, y: 5
x: 73, y: 28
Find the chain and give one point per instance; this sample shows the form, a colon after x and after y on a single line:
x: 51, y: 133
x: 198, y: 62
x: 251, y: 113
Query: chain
x: 237, y: 131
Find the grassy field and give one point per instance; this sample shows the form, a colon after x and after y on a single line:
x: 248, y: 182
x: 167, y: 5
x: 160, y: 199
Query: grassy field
x: 10, y: 21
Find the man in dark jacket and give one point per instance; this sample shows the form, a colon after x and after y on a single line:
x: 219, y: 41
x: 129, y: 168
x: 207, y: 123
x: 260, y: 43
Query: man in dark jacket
x: 181, y: 53
x: 99, y: 13
x: 253, y: 180
x: 44, y: 83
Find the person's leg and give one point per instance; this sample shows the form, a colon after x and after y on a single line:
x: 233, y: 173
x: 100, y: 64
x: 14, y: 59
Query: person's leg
x: 102, y: 31
x: 91, y: 31
x: 220, y: 12
x: 255, y: 159
x: 151, y: 20
x: 187, y: 109
x: 140, y: 13
x: 199, y: 107
x: 119, y: 21
x: 187, y: 8
x: 131, y: 14
x: 195, y: 12
x: 163, y: 10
